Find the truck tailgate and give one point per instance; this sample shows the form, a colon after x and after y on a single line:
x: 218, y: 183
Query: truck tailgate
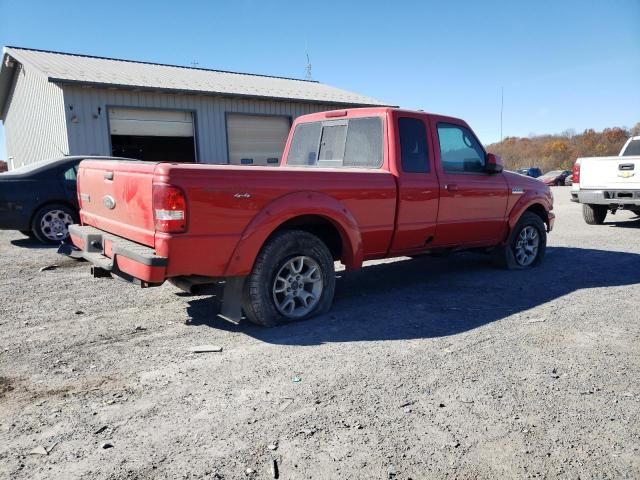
x: 621, y: 173
x: 116, y: 196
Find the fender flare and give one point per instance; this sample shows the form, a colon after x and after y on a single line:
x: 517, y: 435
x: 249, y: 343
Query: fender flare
x: 527, y: 200
x: 285, y: 208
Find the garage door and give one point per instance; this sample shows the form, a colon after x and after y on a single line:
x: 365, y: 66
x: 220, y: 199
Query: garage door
x: 154, y: 123
x: 155, y: 135
x: 256, y: 139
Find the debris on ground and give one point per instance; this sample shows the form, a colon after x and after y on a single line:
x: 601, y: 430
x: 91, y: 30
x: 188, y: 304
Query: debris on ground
x: 205, y: 349
x: 53, y: 266
x: 274, y: 468
x: 39, y: 450
x: 101, y: 429
x: 296, y: 379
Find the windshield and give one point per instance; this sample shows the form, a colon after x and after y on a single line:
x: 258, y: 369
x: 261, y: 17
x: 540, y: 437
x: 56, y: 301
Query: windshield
x: 632, y: 149
x: 554, y: 173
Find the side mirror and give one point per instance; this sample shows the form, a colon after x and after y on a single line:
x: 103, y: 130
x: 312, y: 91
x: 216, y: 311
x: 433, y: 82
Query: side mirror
x: 493, y: 164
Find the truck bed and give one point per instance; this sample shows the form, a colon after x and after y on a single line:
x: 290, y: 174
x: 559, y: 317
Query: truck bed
x: 213, y: 193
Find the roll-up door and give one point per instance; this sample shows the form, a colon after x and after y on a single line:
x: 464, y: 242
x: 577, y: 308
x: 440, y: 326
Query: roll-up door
x: 256, y: 139
x: 152, y: 134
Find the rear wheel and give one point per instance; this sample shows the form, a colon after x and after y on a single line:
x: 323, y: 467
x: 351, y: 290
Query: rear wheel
x: 526, y: 245
x: 594, y: 214
x: 293, y: 278
x: 51, y: 223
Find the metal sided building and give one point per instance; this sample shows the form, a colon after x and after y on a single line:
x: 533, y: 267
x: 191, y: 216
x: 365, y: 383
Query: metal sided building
x: 54, y: 104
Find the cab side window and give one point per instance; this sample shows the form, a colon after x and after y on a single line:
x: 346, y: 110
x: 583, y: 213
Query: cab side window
x: 71, y: 173
x: 413, y: 145
x: 460, y: 152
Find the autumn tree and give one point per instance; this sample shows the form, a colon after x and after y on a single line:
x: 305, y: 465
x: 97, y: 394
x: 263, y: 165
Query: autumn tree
x: 559, y: 152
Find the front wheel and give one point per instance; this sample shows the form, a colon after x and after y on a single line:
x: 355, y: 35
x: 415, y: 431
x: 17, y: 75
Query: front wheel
x: 594, y: 214
x: 51, y: 223
x: 293, y: 278
x: 526, y: 245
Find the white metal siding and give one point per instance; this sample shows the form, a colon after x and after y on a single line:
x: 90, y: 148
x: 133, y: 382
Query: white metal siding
x: 90, y: 135
x: 35, y: 127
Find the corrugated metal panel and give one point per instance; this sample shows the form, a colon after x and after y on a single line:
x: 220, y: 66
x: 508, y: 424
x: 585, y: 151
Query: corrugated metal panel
x: 98, y: 71
x: 90, y: 135
x: 34, y: 125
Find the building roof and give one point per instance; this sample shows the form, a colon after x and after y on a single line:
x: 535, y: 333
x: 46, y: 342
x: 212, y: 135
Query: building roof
x: 68, y: 68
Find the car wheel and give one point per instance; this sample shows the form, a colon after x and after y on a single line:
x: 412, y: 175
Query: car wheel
x: 594, y: 214
x: 526, y: 245
x: 293, y: 278
x: 51, y: 223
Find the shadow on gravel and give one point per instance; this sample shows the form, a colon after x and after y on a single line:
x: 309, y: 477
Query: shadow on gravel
x: 633, y: 223
x: 31, y: 243
x: 431, y: 297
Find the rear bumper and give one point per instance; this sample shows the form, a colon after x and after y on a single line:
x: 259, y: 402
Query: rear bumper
x: 613, y: 197
x: 129, y: 260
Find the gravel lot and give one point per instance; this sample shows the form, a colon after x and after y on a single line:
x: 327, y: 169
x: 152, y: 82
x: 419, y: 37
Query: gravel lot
x: 429, y: 368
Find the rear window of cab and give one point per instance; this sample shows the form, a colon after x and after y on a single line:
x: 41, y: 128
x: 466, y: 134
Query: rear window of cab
x: 342, y: 143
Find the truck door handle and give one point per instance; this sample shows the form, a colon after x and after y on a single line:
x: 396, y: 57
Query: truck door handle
x: 108, y: 175
x: 452, y: 187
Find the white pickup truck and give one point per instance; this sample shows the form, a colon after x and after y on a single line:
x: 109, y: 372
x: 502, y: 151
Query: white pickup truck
x: 608, y: 184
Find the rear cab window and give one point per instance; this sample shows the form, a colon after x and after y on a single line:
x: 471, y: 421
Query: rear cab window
x: 633, y: 148
x: 344, y: 143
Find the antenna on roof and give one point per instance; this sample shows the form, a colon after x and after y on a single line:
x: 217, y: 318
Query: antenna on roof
x: 307, y: 75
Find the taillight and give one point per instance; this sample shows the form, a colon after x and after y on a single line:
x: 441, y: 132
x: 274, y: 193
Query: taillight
x: 575, y: 178
x: 169, y: 209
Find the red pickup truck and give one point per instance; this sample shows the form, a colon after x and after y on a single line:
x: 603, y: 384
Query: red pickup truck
x: 354, y: 185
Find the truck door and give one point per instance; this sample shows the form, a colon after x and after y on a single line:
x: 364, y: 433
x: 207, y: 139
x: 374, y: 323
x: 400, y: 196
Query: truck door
x: 472, y: 202
x: 412, y: 163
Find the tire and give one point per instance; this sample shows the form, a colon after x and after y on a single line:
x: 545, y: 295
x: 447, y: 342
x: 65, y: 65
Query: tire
x: 274, y: 283
x: 594, y: 214
x: 526, y: 245
x: 50, y: 223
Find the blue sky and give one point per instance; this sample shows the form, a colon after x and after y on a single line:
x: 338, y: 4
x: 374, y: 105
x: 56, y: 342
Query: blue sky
x: 563, y: 64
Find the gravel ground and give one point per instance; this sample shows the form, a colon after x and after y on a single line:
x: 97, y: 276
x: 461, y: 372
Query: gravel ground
x: 429, y: 368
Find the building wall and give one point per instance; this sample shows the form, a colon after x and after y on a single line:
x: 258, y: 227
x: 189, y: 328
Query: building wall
x: 34, y: 125
x: 90, y: 135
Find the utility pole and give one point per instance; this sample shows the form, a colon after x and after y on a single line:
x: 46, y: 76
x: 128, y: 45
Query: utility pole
x: 501, y: 109
x: 194, y: 63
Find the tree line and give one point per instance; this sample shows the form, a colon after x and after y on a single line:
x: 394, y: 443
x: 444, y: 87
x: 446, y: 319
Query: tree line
x: 559, y: 152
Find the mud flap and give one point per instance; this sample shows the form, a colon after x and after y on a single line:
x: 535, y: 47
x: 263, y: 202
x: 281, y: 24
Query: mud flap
x: 232, y: 300
x: 70, y: 251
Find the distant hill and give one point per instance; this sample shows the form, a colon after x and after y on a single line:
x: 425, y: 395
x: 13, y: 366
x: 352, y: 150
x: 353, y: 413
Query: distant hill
x: 559, y: 152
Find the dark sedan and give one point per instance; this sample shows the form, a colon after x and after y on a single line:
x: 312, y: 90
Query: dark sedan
x: 40, y: 199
